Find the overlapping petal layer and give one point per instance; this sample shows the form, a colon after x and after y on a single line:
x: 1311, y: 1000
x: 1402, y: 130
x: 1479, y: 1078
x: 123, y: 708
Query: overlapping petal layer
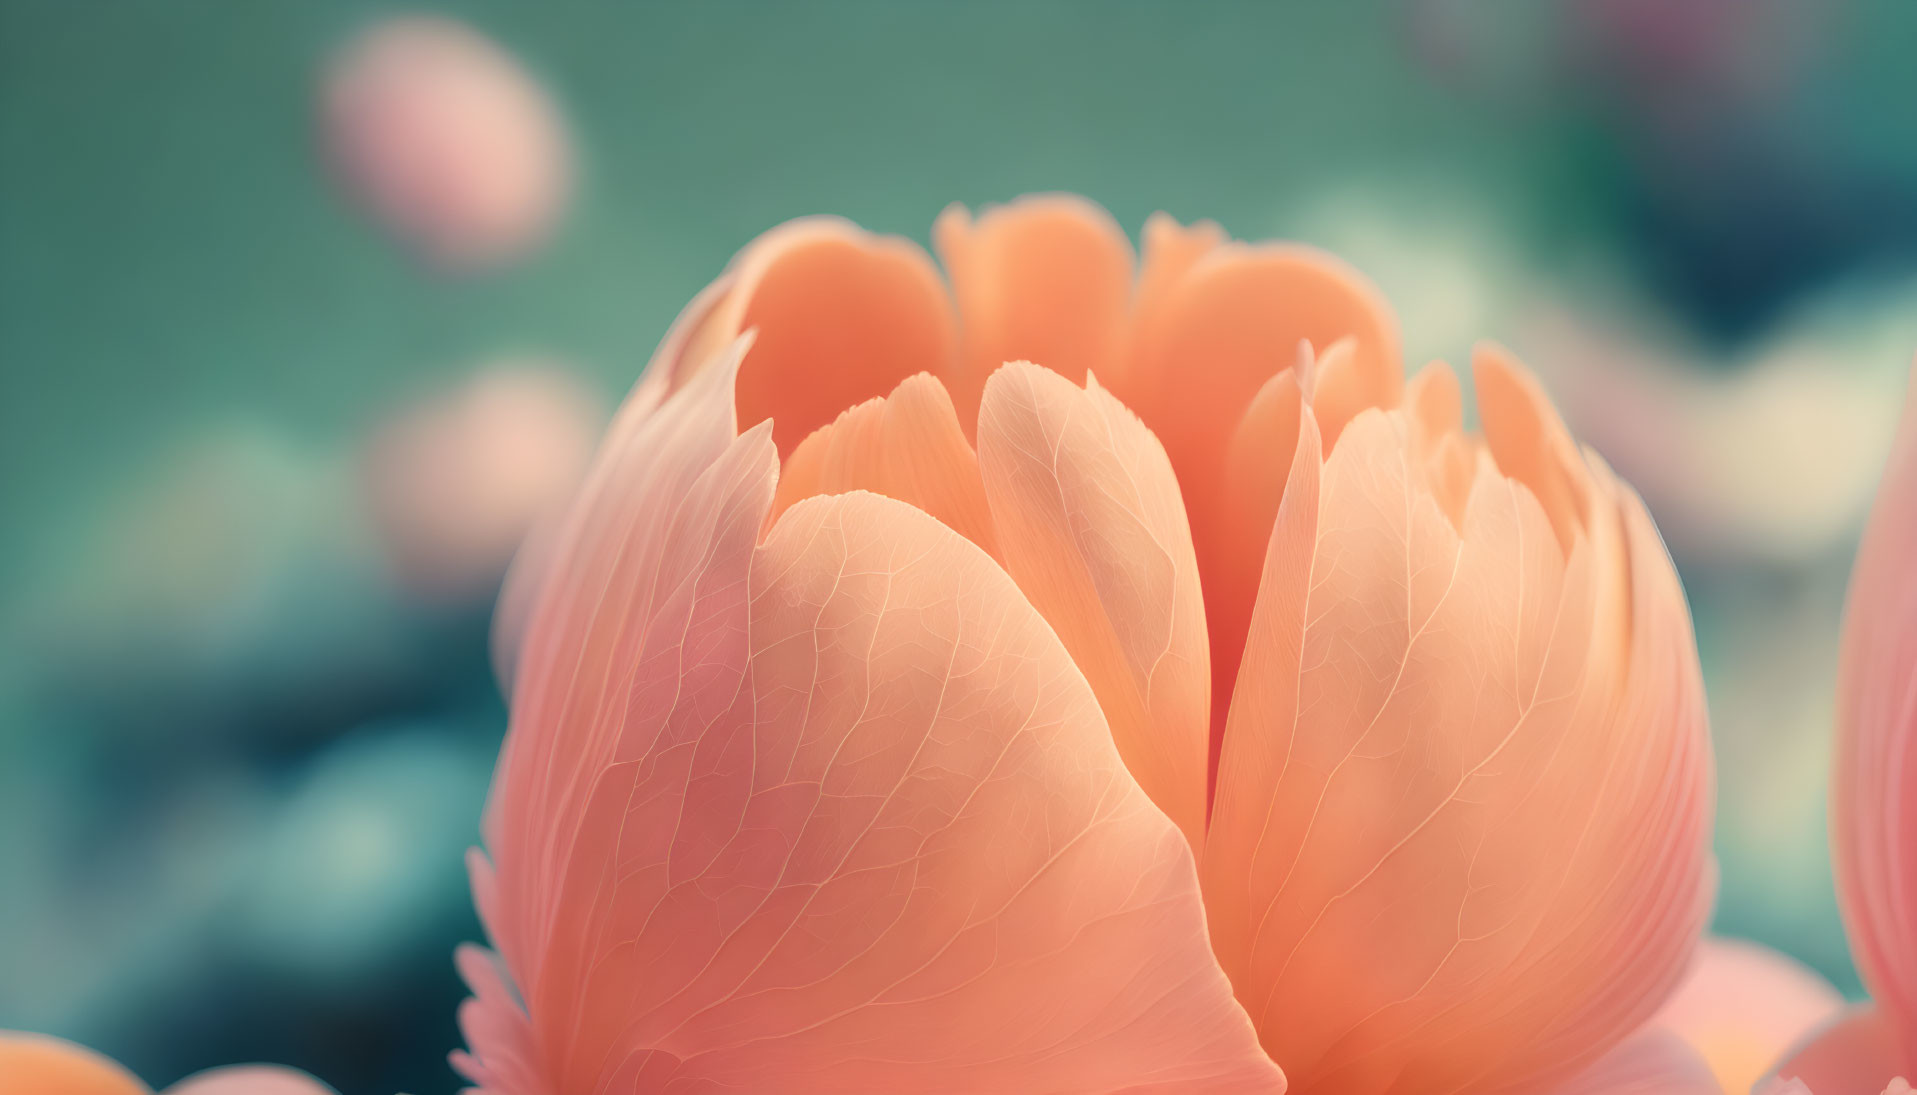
x: 909, y: 446
x: 841, y: 315
x: 1096, y: 537
x: 1459, y: 840
x: 809, y: 791
x: 1046, y: 278
x: 832, y: 813
x: 1188, y: 344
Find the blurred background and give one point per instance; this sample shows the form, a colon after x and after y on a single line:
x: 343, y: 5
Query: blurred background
x: 307, y: 310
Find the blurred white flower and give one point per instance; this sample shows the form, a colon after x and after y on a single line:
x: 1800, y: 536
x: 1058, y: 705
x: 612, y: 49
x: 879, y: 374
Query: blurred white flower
x: 1769, y: 457
x: 1441, y: 255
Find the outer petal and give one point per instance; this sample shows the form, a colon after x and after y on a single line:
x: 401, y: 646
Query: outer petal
x: 249, y: 1080
x: 1874, y: 778
x: 1093, y: 530
x: 649, y: 573
x: 1460, y: 836
x: 1046, y: 278
x: 907, y: 446
x: 1743, y: 1006
x: 832, y: 815
x: 1857, y: 1055
x: 842, y: 315
x: 1651, y: 1063
x: 35, y: 1064
x: 671, y: 367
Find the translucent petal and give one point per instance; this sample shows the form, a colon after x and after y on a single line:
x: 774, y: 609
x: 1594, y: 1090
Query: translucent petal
x: 832, y: 814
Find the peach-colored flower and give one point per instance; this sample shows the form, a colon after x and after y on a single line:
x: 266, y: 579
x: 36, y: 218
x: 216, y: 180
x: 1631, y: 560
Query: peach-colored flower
x: 1873, y: 812
x: 33, y: 1064
x: 447, y: 140
x: 960, y: 729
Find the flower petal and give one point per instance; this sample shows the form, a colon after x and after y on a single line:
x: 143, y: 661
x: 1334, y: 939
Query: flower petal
x: 1528, y: 440
x: 1203, y: 345
x: 1213, y: 323
x: 1092, y: 528
x: 673, y: 364
x: 1651, y: 1063
x: 1874, y: 777
x: 643, y: 602
x: 835, y: 814
x: 1460, y: 837
x: 842, y: 315
x: 35, y: 1064
x: 1257, y: 466
x: 1046, y: 278
x: 1856, y: 1055
x: 1743, y: 1006
x: 907, y: 446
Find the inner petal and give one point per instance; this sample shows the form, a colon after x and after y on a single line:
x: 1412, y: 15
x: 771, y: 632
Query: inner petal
x: 1095, y: 535
x: 1204, y: 344
x: 842, y: 316
x: 907, y: 446
x: 1529, y: 441
x: 1446, y: 456
x: 1045, y: 279
x: 1213, y: 324
x: 1231, y: 558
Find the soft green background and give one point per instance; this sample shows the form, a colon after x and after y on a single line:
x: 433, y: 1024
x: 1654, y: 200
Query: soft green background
x: 172, y: 258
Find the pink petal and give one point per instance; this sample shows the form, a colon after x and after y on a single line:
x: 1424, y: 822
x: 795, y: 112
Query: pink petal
x: 1874, y: 777
x: 1651, y: 1063
x: 1743, y: 1006
x: 1860, y: 1053
x: 835, y: 814
x: 1460, y: 835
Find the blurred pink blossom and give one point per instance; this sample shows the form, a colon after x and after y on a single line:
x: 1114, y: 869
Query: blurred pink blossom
x: 447, y: 140
x: 454, y: 484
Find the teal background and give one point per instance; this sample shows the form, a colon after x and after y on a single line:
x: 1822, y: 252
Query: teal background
x: 174, y: 259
